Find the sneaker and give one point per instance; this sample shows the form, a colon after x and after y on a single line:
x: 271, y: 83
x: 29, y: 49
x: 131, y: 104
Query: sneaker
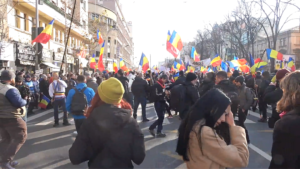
x: 66, y: 123
x: 55, y: 124
x: 14, y: 163
x: 161, y: 135
x: 170, y: 116
x: 152, y: 132
x: 6, y: 166
x: 146, y: 120
x: 262, y: 120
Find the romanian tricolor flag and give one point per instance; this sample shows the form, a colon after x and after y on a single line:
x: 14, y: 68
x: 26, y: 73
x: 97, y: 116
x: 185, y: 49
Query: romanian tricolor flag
x: 176, y: 65
x: 122, y: 64
x: 194, y: 55
x: 169, y: 36
x: 115, y: 67
x: 93, y: 62
x: 175, y: 76
x: 182, y: 66
x: 245, y: 68
x: 235, y: 58
x: 242, y: 61
x: 100, y: 61
x: 175, y: 40
x: 44, y: 102
x: 99, y: 37
x: 144, y: 63
x: 172, y: 68
x: 291, y: 64
x: 216, y: 61
x: 274, y: 54
x: 191, y: 69
x: 257, y: 66
x: 44, y: 36
x: 170, y: 48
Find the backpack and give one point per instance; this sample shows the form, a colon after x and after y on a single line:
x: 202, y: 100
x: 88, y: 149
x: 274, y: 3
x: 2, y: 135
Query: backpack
x: 79, y: 102
x: 254, y: 97
x: 233, y: 96
x: 177, y: 99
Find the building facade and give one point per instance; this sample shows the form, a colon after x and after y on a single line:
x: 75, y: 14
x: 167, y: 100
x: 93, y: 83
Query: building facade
x: 20, y: 28
x: 115, y: 30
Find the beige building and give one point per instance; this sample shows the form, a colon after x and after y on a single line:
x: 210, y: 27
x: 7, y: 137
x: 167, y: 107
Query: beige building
x: 20, y: 19
x: 288, y: 43
x: 115, y: 30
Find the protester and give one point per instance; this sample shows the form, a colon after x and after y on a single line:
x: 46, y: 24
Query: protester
x: 131, y: 78
x: 245, y: 101
x: 109, y: 138
x: 57, y: 92
x: 13, y: 129
x: 208, y: 83
x: 201, y: 138
x: 78, y: 101
x: 71, y: 83
x: 36, y: 85
x: 44, y: 88
x: 33, y: 92
x: 91, y: 82
x: 273, y: 94
x: 23, y: 88
x: 140, y: 89
x: 229, y: 89
x: 261, y: 94
x: 159, y: 105
x: 191, y: 95
x: 124, y: 81
x: 235, y: 74
x: 285, y: 148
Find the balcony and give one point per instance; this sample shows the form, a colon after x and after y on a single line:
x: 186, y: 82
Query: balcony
x: 60, y: 10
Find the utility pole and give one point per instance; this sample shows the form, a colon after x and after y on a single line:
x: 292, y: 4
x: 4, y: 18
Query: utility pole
x: 37, y: 65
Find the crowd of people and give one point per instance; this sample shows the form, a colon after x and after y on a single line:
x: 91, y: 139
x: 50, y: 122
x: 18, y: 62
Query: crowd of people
x: 104, y: 108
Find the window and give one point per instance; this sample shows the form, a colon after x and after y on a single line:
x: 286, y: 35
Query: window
x: 84, y: 5
x: 30, y: 24
x: 115, y: 41
x: 58, y: 36
x: 284, y: 40
x: 53, y: 34
x: 108, y: 40
x: 108, y: 55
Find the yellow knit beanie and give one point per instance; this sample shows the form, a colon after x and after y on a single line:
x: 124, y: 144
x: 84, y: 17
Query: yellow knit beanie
x: 111, y: 91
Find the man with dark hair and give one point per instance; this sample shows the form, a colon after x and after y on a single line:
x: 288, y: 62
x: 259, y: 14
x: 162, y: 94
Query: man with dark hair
x: 91, y: 82
x: 124, y: 80
x: 77, y: 103
x: 159, y: 105
x: 221, y: 75
x: 13, y: 129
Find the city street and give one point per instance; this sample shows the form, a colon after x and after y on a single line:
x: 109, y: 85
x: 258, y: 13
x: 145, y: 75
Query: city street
x: 47, y: 147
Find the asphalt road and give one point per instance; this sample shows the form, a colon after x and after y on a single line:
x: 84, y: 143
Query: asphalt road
x: 47, y: 147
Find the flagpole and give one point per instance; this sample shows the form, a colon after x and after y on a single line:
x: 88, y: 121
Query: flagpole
x: 37, y: 66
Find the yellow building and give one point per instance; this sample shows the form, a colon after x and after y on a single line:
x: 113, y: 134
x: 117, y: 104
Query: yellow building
x: 20, y: 20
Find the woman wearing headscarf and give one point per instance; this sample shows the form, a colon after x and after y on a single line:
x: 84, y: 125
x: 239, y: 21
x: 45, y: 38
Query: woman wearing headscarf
x: 286, y: 148
x: 109, y: 138
x: 208, y: 137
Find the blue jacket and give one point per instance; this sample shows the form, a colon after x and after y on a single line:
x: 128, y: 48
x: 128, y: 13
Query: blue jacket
x: 89, y: 93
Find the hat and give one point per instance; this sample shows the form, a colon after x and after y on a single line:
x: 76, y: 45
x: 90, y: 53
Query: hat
x: 111, y: 91
x: 19, y: 79
x: 281, y: 73
x: 190, y: 77
x: 87, y: 74
x: 240, y: 79
x: 27, y: 76
x: 7, y: 75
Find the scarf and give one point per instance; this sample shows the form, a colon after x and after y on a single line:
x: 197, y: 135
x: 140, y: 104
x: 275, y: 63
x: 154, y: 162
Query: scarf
x: 161, y: 83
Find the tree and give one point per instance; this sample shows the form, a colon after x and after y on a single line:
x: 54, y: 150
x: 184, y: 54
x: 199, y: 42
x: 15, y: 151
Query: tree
x: 274, y: 20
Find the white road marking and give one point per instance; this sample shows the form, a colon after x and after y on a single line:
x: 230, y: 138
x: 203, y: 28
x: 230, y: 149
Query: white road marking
x: 49, y: 120
x: 51, y: 139
x: 254, y: 114
x: 182, y: 166
x: 247, y: 121
x: 39, y: 115
x: 260, y: 152
x: 58, y: 164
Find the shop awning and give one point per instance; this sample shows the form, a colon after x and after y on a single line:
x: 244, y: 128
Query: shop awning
x: 50, y: 65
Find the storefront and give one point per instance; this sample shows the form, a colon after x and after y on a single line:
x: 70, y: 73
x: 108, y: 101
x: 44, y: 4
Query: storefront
x: 7, y: 59
x: 57, y: 61
x: 25, y: 57
x: 47, y: 61
x: 70, y: 63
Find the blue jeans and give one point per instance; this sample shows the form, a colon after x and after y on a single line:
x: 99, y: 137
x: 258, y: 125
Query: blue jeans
x: 137, y: 101
x: 160, y: 108
x: 56, y: 104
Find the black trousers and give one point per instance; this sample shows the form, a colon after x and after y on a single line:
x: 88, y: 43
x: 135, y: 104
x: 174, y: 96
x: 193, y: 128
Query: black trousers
x: 78, y: 123
x: 241, y: 122
x: 262, y: 108
x: 160, y: 108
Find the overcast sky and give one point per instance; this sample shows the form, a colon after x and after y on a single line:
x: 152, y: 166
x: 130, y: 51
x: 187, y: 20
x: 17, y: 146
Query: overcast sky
x: 153, y: 18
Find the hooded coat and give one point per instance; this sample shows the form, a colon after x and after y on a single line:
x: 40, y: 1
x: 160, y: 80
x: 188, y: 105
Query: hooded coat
x: 109, y: 138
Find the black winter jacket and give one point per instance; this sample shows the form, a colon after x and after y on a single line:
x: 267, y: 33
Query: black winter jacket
x: 124, y: 81
x: 109, y: 138
x: 262, y: 87
x: 159, y: 92
x: 226, y: 86
x: 286, y: 138
x: 44, y: 87
x: 139, y: 87
x: 205, y: 87
x: 192, y: 94
x: 180, y: 80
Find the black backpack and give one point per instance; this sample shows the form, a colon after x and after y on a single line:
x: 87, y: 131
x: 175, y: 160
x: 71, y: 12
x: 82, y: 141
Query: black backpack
x: 177, y: 99
x: 233, y: 96
x: 79, y: 102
